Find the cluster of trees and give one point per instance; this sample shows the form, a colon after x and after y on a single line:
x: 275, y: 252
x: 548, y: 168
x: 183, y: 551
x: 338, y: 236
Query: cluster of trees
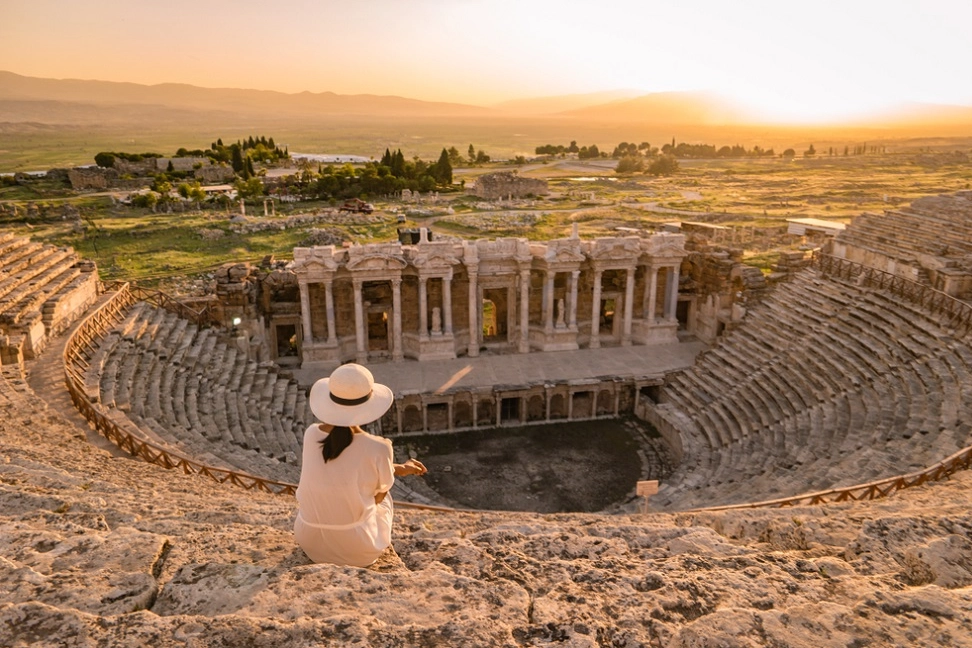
x: 160, y: 195
x: 107, y: 159
x: 390, y: 175
x: 658, y: 166
x: 583, y: 152
x: 396, y: 165
x: 685, y: 150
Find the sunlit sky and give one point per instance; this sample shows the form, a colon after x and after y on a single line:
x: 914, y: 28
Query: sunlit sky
x: 792, y: 59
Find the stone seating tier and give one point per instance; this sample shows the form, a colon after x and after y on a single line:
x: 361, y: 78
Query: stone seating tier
x: 825, y: 384
x: 200, y: 394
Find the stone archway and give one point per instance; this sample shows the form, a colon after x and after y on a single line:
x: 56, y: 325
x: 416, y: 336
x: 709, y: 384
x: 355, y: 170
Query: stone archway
x: 605, y: 403
x: 536, y: 408
x: 462, y: 414
x: 412, y: 419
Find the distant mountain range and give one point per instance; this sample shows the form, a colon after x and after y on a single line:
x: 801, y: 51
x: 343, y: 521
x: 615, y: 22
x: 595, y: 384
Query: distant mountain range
x: 79, y: 102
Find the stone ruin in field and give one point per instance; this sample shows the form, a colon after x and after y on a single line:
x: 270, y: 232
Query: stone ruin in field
x: 507, y: 184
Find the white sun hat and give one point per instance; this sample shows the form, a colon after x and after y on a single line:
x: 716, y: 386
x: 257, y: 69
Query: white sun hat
x: 350, y: 396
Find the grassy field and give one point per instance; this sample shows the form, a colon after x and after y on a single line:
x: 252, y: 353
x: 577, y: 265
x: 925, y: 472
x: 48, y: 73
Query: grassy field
x: 129, y: 243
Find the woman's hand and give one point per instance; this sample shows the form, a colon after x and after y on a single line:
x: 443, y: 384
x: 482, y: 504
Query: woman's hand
x: 410, y: 467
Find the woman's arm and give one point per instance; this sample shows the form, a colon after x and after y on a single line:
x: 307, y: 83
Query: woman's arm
x: 410, y: 467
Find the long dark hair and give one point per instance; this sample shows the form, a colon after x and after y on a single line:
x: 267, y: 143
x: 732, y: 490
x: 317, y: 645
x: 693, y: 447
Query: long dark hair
x: 334, y: 443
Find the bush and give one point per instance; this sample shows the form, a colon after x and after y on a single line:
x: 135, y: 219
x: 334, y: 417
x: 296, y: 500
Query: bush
x: 664, y: 165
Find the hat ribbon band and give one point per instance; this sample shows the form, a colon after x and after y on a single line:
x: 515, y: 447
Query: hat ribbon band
x: 351, y: 402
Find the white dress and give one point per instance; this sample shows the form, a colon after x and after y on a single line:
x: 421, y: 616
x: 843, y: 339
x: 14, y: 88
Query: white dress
x: 337, y: 519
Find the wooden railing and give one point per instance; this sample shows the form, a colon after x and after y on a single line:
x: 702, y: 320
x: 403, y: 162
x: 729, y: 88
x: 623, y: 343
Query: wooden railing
x: 958, y: 314
x: 203, y: 316
x: 77, y: 356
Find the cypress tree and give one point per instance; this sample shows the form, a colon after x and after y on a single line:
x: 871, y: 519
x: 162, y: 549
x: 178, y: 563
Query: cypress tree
x: 237, y: 158
x: 444, y: 168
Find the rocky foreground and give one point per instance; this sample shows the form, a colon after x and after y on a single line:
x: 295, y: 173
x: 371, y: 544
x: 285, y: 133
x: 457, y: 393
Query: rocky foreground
x: 104, y: 551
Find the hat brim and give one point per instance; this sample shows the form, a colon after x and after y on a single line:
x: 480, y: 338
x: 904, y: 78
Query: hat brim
x: 327, y: 411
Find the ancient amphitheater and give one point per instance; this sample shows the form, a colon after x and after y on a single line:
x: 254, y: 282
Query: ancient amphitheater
x: 847, y: 380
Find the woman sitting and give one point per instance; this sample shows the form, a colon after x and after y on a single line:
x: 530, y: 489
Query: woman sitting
x: 344, y: 510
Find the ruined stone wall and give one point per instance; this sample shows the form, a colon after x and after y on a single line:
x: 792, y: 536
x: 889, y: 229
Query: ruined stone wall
x: 496, y: 186
x: 213, y: 174
x: 91, y: 178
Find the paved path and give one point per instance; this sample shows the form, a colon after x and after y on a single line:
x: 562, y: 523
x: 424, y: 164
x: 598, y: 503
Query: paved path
x: 487, y: 371
x: 46, y: 379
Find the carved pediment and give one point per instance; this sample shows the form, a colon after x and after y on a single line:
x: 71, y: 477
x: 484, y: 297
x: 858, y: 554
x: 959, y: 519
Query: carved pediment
x: 314, y: 264
x: 376, y: 262
x: 617, y: 249
x: 666, y: 244
x: 565, y: 255
x: 314, y: 260
x: 434, y: 261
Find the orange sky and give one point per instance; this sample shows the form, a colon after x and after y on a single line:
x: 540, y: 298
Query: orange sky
x: 792, y: 59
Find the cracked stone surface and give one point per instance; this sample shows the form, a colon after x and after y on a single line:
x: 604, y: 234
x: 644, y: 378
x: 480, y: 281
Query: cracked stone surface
x: 103, y: 551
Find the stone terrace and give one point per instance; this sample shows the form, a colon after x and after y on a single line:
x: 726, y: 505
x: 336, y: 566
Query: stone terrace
x: 825, y: 385
x: 102, y: 551
x: 43, y: 289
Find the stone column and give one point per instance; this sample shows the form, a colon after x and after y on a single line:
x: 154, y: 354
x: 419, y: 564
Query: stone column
x: 305, y: 312
x: 475, y: 410
x: 574, y: 280
x: 672, y: 294
x: 398, y: 352
x: 423, y: 310
x: 628, y: 307
x: 596, y: 313
x: 447, y: 304
x: 652, y: 294
x: 499, y: 409
x: 474, y: 304
x: 329, y: 305
x: 359, y: 323
x: 524, y: 311
x: 548, y: 301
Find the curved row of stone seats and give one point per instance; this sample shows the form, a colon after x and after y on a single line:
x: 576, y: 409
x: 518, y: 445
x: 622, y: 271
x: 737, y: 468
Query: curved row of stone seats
x: 196, y: 393
x: 825, y: 384
x: 97, y: 550
x: 43, y: 289
x: 936, y: 226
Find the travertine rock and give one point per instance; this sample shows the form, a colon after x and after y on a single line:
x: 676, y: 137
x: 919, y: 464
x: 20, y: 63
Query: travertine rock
x: 97, y: 550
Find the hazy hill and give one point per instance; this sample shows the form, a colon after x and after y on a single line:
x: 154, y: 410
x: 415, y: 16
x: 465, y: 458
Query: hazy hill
x: 563, y: 103
x: 17, y: 88
x: 698, y: 108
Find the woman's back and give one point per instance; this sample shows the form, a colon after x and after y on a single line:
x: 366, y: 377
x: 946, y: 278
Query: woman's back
x: 341, y: 490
